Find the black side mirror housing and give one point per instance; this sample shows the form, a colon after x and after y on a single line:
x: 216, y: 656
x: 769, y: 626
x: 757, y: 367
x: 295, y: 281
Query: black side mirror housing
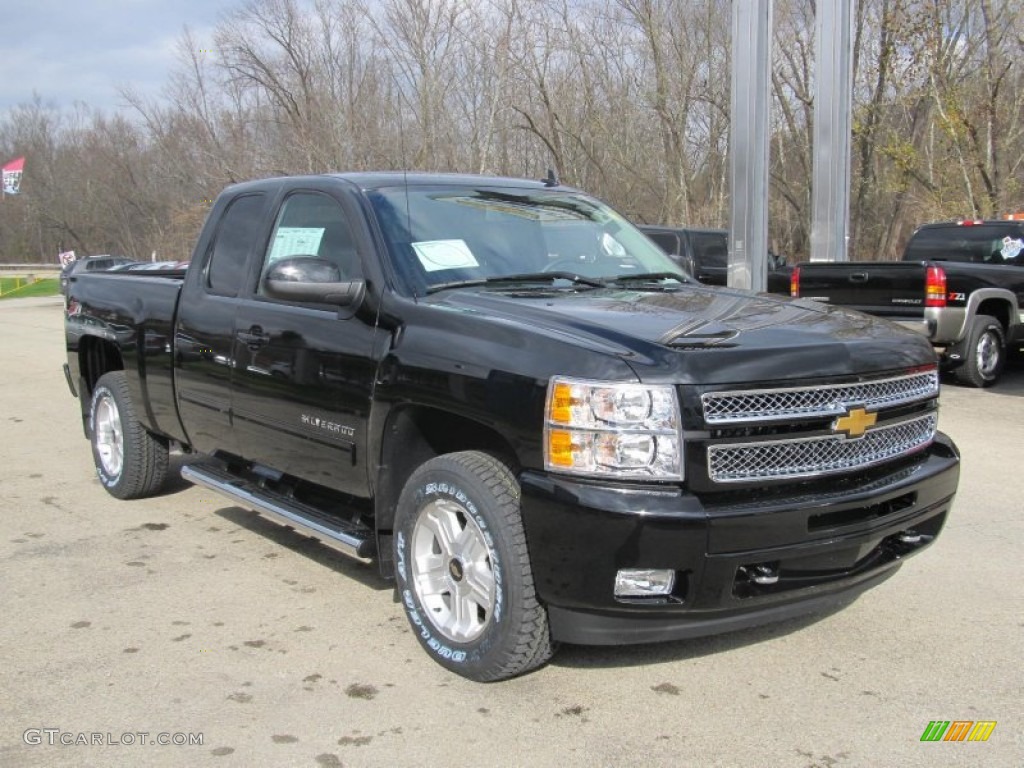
x: 312, y: 279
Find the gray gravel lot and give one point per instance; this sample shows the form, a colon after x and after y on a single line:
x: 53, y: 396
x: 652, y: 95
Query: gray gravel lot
x: 185, y: 615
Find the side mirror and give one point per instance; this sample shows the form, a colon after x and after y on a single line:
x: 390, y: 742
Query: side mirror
x: 311, y: 279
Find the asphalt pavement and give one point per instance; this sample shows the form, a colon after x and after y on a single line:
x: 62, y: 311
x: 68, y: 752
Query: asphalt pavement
x: 186, y: 620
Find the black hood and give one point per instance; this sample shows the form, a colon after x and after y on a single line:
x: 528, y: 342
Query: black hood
x: 697, y: 334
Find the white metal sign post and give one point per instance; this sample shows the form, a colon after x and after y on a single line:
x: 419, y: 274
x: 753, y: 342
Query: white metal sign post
x: 830, y: 183
x: 749, y: 129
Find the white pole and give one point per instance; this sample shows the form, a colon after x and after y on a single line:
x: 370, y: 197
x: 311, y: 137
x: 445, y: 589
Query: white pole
x: 748, y: 143
x: 830, y: 183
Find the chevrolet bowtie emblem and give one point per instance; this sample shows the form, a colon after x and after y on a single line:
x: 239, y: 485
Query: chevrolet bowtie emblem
x: 855, y: 423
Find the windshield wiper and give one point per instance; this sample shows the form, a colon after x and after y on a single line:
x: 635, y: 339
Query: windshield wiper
x: 525, y: 277
x: 649, y: 277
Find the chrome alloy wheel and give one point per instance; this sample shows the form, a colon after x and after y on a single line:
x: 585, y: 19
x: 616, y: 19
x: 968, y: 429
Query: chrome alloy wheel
x: 987, y: 354
x: 452, y: 571
x: 108, y: 436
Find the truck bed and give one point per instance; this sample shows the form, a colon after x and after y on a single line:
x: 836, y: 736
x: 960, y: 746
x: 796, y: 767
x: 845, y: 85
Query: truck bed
x: 887, y: 289
x: 136, y: 311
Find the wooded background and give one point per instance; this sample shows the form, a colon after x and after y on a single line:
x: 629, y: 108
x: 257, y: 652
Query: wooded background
x: 627, y: 99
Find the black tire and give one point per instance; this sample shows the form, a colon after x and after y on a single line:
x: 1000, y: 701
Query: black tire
x: 470, y: 599
x: 983, y: 352
x: 114, y: 428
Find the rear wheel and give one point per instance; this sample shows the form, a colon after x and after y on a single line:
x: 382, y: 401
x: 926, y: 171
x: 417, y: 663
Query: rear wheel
x: 130, y: 462
x: 463, y: 569
x: 984, y: 353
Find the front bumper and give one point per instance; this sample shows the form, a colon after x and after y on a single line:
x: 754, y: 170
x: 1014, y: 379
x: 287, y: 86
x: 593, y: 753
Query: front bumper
x: 826, y: 543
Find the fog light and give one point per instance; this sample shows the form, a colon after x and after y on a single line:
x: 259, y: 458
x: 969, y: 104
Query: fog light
x: 643, y: 582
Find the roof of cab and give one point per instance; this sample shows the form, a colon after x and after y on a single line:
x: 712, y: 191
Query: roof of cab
x: 371, y: 180
x: 379, y: 179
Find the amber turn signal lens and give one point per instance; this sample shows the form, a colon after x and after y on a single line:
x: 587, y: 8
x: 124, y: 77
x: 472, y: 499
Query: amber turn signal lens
x: 561, y: 404
x: 560, y: 448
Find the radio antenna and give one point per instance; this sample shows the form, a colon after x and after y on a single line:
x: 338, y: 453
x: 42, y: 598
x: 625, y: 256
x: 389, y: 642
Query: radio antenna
x: 405, y: 184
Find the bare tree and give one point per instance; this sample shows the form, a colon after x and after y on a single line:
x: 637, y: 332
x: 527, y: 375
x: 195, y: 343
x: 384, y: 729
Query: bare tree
x: 626, y: 98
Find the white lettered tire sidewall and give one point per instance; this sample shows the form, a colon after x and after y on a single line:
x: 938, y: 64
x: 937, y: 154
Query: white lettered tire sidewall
x: 515, y: 638
x: 143, y: 457
x: 102, y: 390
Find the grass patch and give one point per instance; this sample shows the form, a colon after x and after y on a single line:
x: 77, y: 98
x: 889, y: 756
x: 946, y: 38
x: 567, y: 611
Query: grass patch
x: 19, y: 287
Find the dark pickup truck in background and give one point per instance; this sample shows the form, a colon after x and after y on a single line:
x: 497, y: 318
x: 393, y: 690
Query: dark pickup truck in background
x: 89, y: 264
x: 532, y: 419
x: 960, y: 284
x: 704, y: 253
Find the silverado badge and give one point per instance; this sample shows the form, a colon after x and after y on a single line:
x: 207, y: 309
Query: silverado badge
x: 855, y: 423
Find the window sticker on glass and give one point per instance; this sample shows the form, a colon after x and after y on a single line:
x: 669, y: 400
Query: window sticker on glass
x: 1011, y: 247
x: 295, y: 241
x: 436, y: 255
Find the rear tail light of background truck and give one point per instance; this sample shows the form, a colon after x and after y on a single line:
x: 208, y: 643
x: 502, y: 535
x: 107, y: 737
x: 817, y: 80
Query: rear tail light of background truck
x: 935, y: 287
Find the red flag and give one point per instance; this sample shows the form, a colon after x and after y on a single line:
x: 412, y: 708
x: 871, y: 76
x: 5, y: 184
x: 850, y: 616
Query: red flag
x: 12, y: 176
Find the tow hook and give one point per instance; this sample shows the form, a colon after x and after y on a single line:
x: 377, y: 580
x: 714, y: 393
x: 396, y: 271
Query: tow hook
x: 763, y: 574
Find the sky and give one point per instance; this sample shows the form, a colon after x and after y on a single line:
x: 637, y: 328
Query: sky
x: 82, y: 50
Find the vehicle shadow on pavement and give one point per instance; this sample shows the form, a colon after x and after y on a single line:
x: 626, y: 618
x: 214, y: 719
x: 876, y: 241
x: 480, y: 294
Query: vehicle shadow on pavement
x: 366, y: 574
x: 602, y: 657
x: 1011, y: 382
x: 175, y: 483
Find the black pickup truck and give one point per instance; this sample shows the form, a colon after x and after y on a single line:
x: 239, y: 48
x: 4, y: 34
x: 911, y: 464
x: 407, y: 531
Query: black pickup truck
x: 960, y: 284
x: 704, y: 253
x: 514, y: 402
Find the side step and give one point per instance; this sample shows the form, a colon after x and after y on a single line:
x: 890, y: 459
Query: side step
x: 349, y: 538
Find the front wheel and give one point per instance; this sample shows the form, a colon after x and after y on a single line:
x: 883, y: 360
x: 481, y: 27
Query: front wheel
x: 130, y: 462
x: 984, y: 353
x: 463, y: 569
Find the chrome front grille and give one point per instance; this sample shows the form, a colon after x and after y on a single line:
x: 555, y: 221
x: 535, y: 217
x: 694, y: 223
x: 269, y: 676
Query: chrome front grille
x: 817, y: 456
x: 744, y: 407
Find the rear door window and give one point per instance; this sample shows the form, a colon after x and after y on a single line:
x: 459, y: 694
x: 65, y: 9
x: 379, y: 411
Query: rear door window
x: 979, y: 244
x: 667, y: 241
x: 711, y: 249
x: 237, y: 236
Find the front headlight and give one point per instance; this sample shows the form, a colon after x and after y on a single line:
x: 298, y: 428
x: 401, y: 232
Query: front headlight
x: 611, y: 429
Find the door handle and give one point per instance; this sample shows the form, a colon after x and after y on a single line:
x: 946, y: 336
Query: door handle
x: 254, y: 338
x: 859, y: 277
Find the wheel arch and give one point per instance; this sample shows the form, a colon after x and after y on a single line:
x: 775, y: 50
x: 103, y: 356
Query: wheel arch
x: 96, y: 357
x: 995, y: 302
x: 1000, y: 309
x: 413, y: 435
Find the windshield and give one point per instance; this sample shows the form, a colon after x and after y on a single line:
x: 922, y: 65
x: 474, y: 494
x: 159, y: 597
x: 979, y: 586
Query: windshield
x: 981, y: 243
x: 449, y: 235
